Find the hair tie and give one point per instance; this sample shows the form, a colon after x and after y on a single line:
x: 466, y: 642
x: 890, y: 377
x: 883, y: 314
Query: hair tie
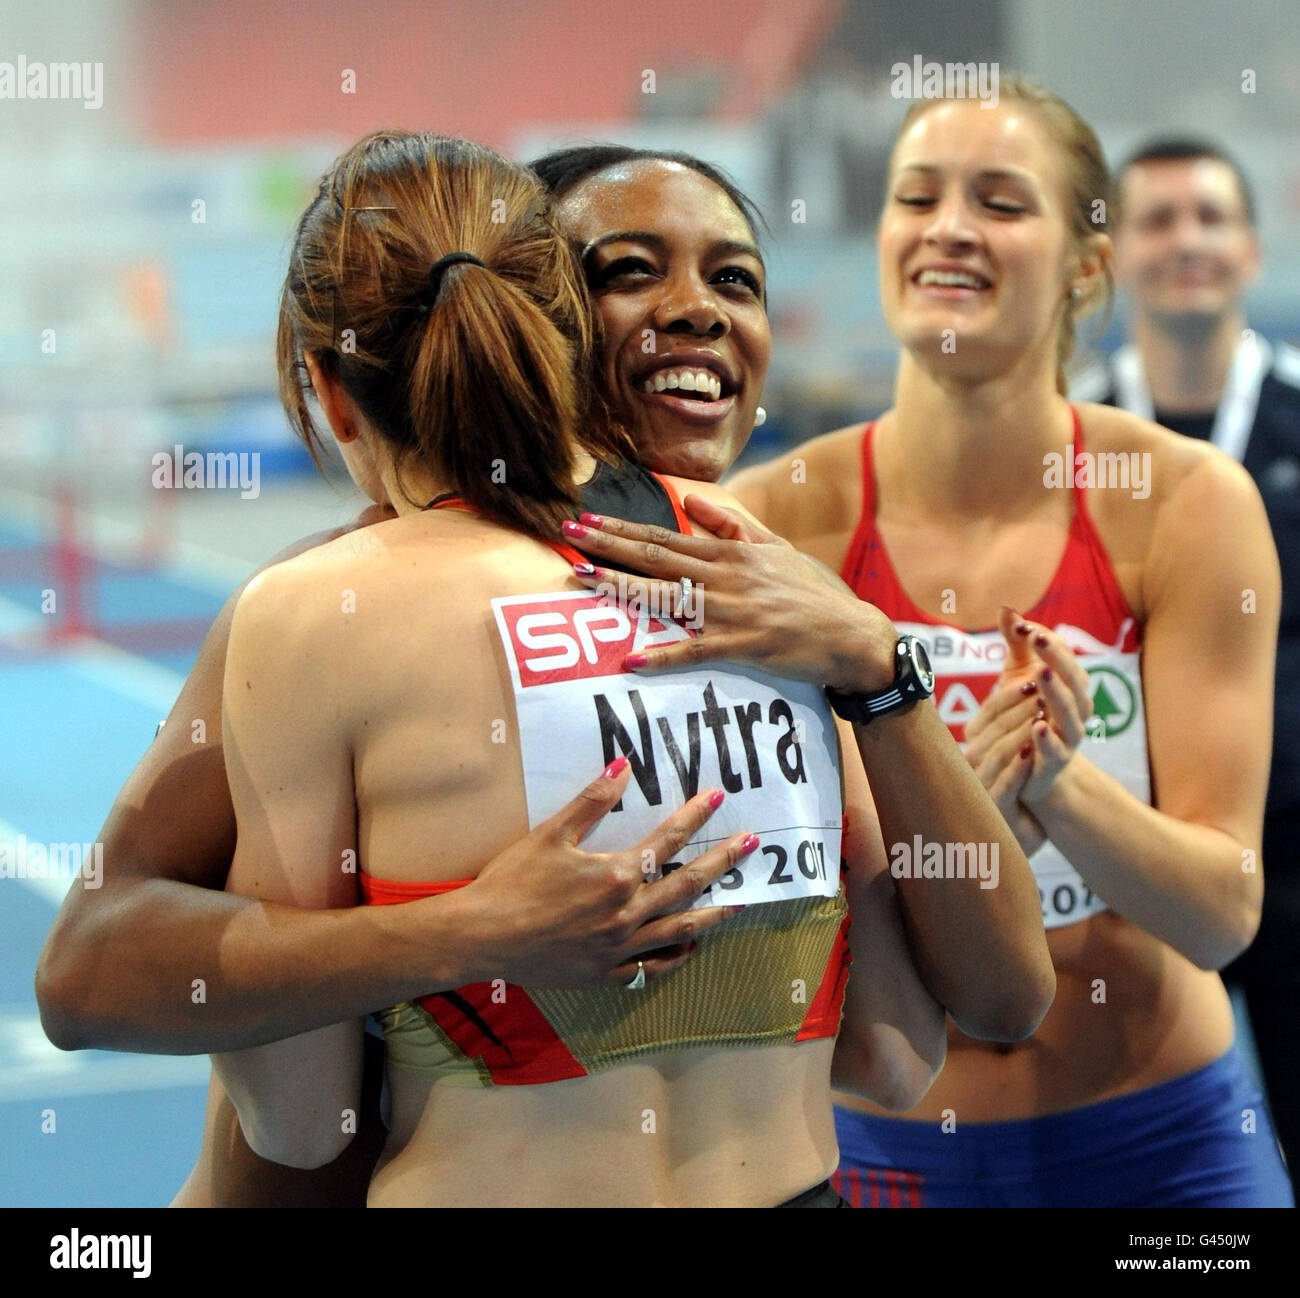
x: 442, y: 266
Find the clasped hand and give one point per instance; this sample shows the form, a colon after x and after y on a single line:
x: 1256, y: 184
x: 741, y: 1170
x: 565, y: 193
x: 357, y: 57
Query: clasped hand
x: 1028, y: 730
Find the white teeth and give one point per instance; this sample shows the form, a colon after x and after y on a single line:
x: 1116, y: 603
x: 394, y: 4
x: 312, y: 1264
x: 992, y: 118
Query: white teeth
x: 950, y: 279
x: 702, y: 381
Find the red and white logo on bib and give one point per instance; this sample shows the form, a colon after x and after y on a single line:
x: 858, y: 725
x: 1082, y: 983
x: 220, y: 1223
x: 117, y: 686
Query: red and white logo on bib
x: 577, y: 636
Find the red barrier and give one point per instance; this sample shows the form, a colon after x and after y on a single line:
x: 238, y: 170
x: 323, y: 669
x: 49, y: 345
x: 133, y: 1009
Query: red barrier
x: 73, y: 574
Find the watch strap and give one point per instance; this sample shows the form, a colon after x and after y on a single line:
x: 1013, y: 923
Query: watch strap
x: 905, y: 690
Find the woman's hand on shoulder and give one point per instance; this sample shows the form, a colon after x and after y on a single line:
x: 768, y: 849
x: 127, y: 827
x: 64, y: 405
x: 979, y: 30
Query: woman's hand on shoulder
x: 753, y: 597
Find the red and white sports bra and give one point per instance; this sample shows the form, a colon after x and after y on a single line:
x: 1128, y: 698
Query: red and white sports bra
x: 1085, y: 606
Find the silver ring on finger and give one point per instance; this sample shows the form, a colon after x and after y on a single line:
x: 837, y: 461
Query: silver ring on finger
x: 684, y: 598
x: 639, y: 981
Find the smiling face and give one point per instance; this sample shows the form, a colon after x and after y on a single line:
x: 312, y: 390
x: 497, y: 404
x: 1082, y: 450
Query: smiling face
x: 678, y: 286
x: 975, y: 238
x: 1184, y: 247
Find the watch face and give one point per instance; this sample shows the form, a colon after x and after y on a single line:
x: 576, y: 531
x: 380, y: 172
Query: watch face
x: 923, y: 668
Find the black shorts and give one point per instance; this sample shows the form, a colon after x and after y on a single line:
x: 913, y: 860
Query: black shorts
x: 820, y: 1196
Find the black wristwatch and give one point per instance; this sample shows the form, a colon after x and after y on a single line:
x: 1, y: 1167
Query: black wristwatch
x: 913, y: 680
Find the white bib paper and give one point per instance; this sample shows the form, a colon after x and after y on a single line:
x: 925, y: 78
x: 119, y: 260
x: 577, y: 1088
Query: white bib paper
x: 966, y: 668
x: 769, y: 743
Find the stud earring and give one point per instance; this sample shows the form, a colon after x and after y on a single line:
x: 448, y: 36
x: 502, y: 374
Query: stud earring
x: 760, y: 417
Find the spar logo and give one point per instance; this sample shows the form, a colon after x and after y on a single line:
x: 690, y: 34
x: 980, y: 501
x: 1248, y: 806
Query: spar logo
x: 575, y: 635
x: 1114, y: 702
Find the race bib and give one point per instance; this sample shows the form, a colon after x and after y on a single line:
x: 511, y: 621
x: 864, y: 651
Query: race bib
x: 967, y: 666
x: 769, y: 743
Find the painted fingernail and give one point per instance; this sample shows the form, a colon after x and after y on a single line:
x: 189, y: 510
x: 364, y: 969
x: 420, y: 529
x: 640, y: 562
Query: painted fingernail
x: 633, y: 661
x: 715, y: 799
x: 570, y: 528
x: 748, y: 844
x: 592, y: 520
x: 1040, y: 729
x: 1040, y: 642
x: 615, y: 768
x: 1027, y: 750
x: 1045, y: 675
x: 735, y: 910
x: 1023, y: 628
x: 585, y: 569
x: 1029, y: 687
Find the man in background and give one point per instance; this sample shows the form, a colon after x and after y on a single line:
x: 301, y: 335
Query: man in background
x: 1186, y: 249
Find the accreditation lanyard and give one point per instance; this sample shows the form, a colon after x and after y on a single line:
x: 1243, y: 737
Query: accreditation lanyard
x: 1237, y: 407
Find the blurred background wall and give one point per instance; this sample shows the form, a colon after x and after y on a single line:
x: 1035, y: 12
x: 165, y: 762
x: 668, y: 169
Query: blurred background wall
x: 160, y: 315
x: 142, y: 247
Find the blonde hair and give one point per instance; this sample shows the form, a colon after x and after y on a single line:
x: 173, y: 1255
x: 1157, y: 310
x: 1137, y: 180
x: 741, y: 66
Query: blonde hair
x: 1089, y: 187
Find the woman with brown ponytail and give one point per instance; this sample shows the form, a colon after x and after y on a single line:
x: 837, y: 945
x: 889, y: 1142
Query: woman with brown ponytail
x: 403, y: 703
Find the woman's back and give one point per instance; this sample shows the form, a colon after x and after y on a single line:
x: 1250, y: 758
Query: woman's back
x: 431, y: 718
x: 432, y: 722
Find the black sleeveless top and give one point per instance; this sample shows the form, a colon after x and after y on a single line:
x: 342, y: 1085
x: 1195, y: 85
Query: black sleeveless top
x: 627, y: 491
x: 630, y: 492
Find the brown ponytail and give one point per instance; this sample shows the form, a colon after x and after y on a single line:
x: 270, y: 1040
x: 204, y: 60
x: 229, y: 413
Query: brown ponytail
x: 475, y: 378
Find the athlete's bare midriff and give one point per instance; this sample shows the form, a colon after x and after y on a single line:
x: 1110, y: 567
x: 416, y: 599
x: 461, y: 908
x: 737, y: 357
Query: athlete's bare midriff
x: 720, y: 1128
x: 1161, y: 1017
x: 439, y: 791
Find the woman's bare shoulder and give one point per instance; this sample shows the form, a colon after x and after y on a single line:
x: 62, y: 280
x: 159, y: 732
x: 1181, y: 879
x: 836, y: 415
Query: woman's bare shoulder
x: 826, y: 453
x: 1180, y: 495
x: 374, y: 567
x: 1173, y: 459
x: 713, y: 492
x: 819, y: 479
